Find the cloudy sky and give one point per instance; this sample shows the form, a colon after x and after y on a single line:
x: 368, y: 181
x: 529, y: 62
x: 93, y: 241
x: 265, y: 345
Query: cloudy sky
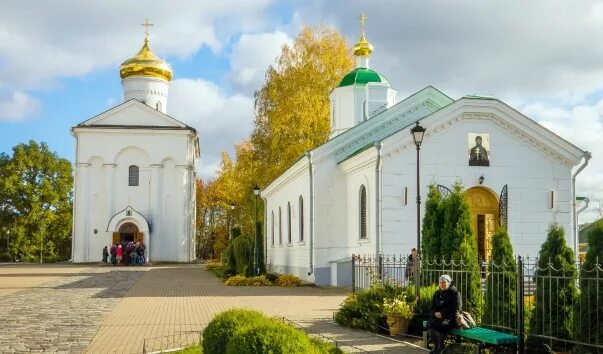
x: 59, y: 61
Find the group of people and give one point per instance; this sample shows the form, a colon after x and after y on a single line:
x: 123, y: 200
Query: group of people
x: 125, y: 253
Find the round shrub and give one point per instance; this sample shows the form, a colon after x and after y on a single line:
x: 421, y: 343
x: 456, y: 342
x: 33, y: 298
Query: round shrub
x: 288, y: 280
x: 237, y: 280
x: 270, y: 337
x: 5, y: 257
x: 223, y: 327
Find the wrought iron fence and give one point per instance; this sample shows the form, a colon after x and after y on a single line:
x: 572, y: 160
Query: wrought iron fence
x: 171, y: 342
x: 556, y: 309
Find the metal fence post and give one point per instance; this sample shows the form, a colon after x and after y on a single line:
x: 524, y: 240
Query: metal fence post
x: 520, y: 307
x: 353, y: 273
x: 380, y: 267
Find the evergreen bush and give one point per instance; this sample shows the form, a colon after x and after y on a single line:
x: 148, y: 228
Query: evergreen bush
x: 242, y: 252
x: 555, y: 295
x: 501, y: 293
x: 461, y: 248
x: 5, y: 257
x: 589, y: 312
x: 364, y: 309
x: 433, y: 221
x: 223, y: 327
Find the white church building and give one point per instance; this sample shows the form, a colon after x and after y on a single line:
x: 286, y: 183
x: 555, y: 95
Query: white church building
x: 356, y: 193
x: 135, y: 171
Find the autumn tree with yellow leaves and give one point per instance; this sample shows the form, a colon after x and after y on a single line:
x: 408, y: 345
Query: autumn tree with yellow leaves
x: 291, y: 118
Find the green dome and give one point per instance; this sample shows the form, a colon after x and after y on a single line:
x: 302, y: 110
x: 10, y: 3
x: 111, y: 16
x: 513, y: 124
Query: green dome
x: 361, y: 76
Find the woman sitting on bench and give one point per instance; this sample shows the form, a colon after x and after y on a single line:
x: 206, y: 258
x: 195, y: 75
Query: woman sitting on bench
x: 445, y: 304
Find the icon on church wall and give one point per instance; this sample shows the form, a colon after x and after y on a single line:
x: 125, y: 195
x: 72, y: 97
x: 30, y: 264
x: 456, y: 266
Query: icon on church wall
x: 479, y: 149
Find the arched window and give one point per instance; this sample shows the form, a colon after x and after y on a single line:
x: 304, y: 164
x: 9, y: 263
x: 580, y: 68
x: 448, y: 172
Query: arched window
x: 288, y: 222
x: 280, y: 227
x: 158, y: 105
x: 362, y: 212
x: 133, y: 175
x: 272, y: 228
x: 301, y: 219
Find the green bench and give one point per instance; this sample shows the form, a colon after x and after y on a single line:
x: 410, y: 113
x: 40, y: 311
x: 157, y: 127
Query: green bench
x: 484, y: 337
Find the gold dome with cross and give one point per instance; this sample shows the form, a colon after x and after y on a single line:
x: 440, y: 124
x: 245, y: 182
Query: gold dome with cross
x: 145, y: 62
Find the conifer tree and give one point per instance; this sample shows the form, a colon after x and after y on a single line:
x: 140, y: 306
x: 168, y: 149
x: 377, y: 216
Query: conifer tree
x: 501, y: 294
x: 589, y: 312
x: 242, y: 252
x: 432, y: 225
x: 461, y: 248
x: 556, y: 293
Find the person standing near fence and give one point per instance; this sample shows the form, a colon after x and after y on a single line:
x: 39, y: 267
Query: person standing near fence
x: 411, y: 264
x: 445, y: 304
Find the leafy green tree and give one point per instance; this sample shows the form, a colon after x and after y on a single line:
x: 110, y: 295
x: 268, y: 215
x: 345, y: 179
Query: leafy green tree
x: 501, y: 294
x: 433, y: 222
x: 556, y: 293
x: 589, y: 312
x: 461, y: 248
x: 36, y: 201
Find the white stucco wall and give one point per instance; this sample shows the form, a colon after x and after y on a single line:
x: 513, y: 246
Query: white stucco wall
x: 164, y: 195
x: 530, y: 174
x: 531, y: 161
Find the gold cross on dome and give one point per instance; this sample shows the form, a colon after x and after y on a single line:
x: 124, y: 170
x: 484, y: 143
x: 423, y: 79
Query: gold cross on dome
x: 363, y: 19
x: 146, y: 25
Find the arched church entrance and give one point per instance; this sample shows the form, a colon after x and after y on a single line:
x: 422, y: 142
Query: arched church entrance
x: 484, y: 207
x: 128, y: 232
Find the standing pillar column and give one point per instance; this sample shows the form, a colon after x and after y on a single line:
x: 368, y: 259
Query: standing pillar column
x: 81, y: 212
x: 155, y: 207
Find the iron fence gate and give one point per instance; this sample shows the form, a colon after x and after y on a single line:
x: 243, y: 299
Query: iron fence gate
x: 556, y: 309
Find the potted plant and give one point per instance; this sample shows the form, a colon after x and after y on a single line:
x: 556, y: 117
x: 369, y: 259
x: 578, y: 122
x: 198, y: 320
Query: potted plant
x: 399, y: 312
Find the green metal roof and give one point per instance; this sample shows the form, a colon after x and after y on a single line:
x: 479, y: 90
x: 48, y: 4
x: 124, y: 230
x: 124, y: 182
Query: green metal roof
x: 362, y: 76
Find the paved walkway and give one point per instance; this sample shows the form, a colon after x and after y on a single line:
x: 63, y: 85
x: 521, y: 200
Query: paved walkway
x: 122, y: 310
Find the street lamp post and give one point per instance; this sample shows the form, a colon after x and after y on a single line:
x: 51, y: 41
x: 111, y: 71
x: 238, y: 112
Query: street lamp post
x: 417, y: 135
x: 256, y: 251
x: 232, y: 208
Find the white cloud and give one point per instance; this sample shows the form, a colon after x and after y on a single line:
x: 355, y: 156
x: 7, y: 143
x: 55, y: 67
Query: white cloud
x: 220, y: 119
x: 583, y: 126
x: 516, y: 50
x: 251, y: 56
x: 16, y: 105
x: 67, y: 39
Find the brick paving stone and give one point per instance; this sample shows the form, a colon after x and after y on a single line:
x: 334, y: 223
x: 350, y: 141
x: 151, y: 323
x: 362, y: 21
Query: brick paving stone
x: 91, y: 309
x: 72, y: 306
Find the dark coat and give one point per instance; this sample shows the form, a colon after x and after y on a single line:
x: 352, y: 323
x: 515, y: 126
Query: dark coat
x: 448, y: 303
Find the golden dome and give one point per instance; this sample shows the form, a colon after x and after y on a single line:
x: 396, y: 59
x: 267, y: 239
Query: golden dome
x: 146, y: 63
x: 362, y: 47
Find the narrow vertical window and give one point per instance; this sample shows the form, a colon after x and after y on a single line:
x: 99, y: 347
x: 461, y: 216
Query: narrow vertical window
x: 288, y: 222
x: 301, y: 219
x: 362, y: 212
x: 272, y: 227
x: 280, y: 227
x: 133, y: 175
x: 158, y: 105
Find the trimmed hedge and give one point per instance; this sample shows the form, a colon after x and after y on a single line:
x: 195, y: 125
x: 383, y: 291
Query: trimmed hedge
x: 224, y: 326
x: 269, y: 336
x: 246, y: 331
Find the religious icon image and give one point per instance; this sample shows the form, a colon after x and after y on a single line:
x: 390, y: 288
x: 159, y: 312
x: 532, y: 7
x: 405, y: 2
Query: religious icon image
x: 479, y: 149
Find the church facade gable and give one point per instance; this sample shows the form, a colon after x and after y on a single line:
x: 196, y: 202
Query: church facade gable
x: 133, y: 113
